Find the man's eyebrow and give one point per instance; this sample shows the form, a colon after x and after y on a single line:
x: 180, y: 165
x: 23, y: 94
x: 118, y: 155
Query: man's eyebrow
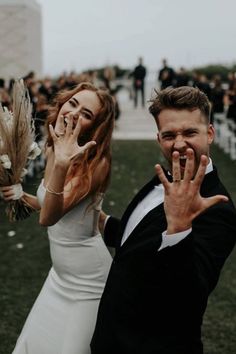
x: 170, y: 132
x: 167, y: 132
x: 84, y: 108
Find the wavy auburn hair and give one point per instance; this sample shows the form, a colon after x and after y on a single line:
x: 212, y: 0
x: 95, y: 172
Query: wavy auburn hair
x: 100, y: 131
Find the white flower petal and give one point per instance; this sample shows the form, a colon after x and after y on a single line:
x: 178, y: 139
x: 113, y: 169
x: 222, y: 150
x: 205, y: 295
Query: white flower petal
x: 19, y: 245
x: 11, y: 233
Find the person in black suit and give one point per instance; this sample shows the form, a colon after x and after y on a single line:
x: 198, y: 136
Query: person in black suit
x: 166, y: 75
x: 138, y: 75
x: 171, y: 242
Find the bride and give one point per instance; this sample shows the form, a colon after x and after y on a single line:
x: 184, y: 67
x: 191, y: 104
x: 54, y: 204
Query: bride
x: 69, y: 197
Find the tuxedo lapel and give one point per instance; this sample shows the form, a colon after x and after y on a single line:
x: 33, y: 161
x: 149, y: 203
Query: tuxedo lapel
x: 210, y: 180
x: 139, y: 196
x: 149, y: 219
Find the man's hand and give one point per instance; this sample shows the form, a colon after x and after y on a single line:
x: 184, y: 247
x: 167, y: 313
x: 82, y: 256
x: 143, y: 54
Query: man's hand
x: 183, y: 202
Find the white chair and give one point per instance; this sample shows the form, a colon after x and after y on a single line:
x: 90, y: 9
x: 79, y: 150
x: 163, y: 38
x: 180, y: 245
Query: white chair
x: 223, y: 134
x: 232, y: 129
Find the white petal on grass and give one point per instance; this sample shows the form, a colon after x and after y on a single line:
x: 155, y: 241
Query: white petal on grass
x: 111, y: 203
x: 19, y: 246
x: 11, y: 233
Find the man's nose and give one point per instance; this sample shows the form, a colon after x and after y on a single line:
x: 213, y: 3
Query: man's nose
x: 179, y: 142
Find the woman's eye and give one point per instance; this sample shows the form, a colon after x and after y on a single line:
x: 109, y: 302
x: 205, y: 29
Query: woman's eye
x: 72, y: 103
x: 85, y: 115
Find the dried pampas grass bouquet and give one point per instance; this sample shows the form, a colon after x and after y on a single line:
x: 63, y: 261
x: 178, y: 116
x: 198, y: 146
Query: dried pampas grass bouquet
x: 17, y: 146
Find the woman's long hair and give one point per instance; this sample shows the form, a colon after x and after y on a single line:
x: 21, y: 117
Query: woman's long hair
x: 100, y: 131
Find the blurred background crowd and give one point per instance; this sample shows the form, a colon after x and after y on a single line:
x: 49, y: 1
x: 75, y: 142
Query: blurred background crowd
x: 219, y: 86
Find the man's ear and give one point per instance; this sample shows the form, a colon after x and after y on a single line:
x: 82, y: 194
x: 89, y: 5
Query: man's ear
x: 211, y: 133
x: 158, y: 138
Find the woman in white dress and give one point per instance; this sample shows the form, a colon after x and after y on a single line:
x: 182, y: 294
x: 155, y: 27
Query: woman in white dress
x: 69, y: 197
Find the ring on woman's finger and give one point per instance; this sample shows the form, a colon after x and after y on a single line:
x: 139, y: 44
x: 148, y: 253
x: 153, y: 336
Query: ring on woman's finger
x: 60, y: 134
x: 176, y: 180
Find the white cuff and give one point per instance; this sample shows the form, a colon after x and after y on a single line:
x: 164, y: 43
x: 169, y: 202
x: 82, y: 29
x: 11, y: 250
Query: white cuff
x: 173, y: 239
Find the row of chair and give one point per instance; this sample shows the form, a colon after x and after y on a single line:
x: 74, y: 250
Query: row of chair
x: 225, y: 137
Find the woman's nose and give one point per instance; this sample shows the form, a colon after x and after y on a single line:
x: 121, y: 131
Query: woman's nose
x: 76, y: 115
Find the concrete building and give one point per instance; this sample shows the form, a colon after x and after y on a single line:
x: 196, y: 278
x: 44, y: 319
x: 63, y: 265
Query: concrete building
x: 20, y: 38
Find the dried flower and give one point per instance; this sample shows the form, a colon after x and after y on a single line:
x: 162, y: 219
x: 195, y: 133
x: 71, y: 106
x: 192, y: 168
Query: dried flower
x: 5, y: 161
x: 17, y: 147
x: 34, y: 151
x: 23, y: 173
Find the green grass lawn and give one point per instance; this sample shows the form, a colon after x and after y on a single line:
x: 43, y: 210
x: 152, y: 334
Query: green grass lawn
x: 25, y: 258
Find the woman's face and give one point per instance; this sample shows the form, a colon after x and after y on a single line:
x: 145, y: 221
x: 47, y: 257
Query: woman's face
x: 85, y: 105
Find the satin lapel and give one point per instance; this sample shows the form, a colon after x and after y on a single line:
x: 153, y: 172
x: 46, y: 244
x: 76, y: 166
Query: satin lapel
x: 139, y: 196
x: 151, y: 217
x: 210, y: 180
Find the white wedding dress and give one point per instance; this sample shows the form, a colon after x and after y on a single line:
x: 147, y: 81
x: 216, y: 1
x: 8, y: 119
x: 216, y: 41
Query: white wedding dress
x: 63, y: 317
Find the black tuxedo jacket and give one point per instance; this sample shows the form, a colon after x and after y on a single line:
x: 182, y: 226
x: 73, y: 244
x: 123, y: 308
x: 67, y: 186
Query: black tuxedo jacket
x: 154, y: 301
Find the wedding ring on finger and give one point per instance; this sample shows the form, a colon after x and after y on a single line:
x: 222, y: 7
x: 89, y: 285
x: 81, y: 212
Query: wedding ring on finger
x: 60, y: 134
x: 176, y: 180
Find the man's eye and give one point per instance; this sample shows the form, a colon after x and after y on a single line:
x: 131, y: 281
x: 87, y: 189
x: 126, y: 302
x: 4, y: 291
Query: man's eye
x: 167, y: 137
x: 190, y: 133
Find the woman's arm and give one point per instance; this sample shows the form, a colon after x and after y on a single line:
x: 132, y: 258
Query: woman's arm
x: 66, y: 152
x: 15, y: 192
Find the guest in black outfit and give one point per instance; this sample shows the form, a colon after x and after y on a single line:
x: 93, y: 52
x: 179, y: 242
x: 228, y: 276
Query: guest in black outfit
x: 138, y: 75
x: 171, y: 242
x: 217, y: 97
x: 231, y: 101
x: 182, y: 78
x: 166, y: 75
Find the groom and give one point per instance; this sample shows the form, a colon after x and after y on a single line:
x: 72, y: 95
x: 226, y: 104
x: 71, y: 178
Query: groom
x: 171, y: 242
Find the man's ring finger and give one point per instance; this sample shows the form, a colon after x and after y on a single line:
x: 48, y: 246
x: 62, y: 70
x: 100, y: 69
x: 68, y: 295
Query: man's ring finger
x: 176, y: 180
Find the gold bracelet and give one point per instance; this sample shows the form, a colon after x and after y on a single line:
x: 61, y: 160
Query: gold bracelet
x: 53, y: 192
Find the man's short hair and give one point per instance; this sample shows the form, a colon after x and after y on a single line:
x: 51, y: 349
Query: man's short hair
x: 184, y: 97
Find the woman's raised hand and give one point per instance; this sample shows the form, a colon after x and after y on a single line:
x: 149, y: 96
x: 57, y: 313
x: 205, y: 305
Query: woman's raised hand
x: 66, y: 145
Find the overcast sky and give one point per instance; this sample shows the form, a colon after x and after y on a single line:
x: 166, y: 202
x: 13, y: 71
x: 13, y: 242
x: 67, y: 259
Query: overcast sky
x: 78, y: 35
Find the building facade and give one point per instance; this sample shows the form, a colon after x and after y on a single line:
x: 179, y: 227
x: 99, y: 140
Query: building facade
x: 20, y: 38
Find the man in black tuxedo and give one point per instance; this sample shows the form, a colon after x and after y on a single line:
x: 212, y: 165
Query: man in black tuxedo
x: 171, y: 242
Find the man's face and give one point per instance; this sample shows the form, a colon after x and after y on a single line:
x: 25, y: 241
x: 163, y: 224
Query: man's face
x: 182, y: 129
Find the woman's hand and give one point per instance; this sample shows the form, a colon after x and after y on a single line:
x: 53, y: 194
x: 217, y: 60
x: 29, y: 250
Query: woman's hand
x: 13, y: 192
x: 66, y: 146
x: 183, y: 201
